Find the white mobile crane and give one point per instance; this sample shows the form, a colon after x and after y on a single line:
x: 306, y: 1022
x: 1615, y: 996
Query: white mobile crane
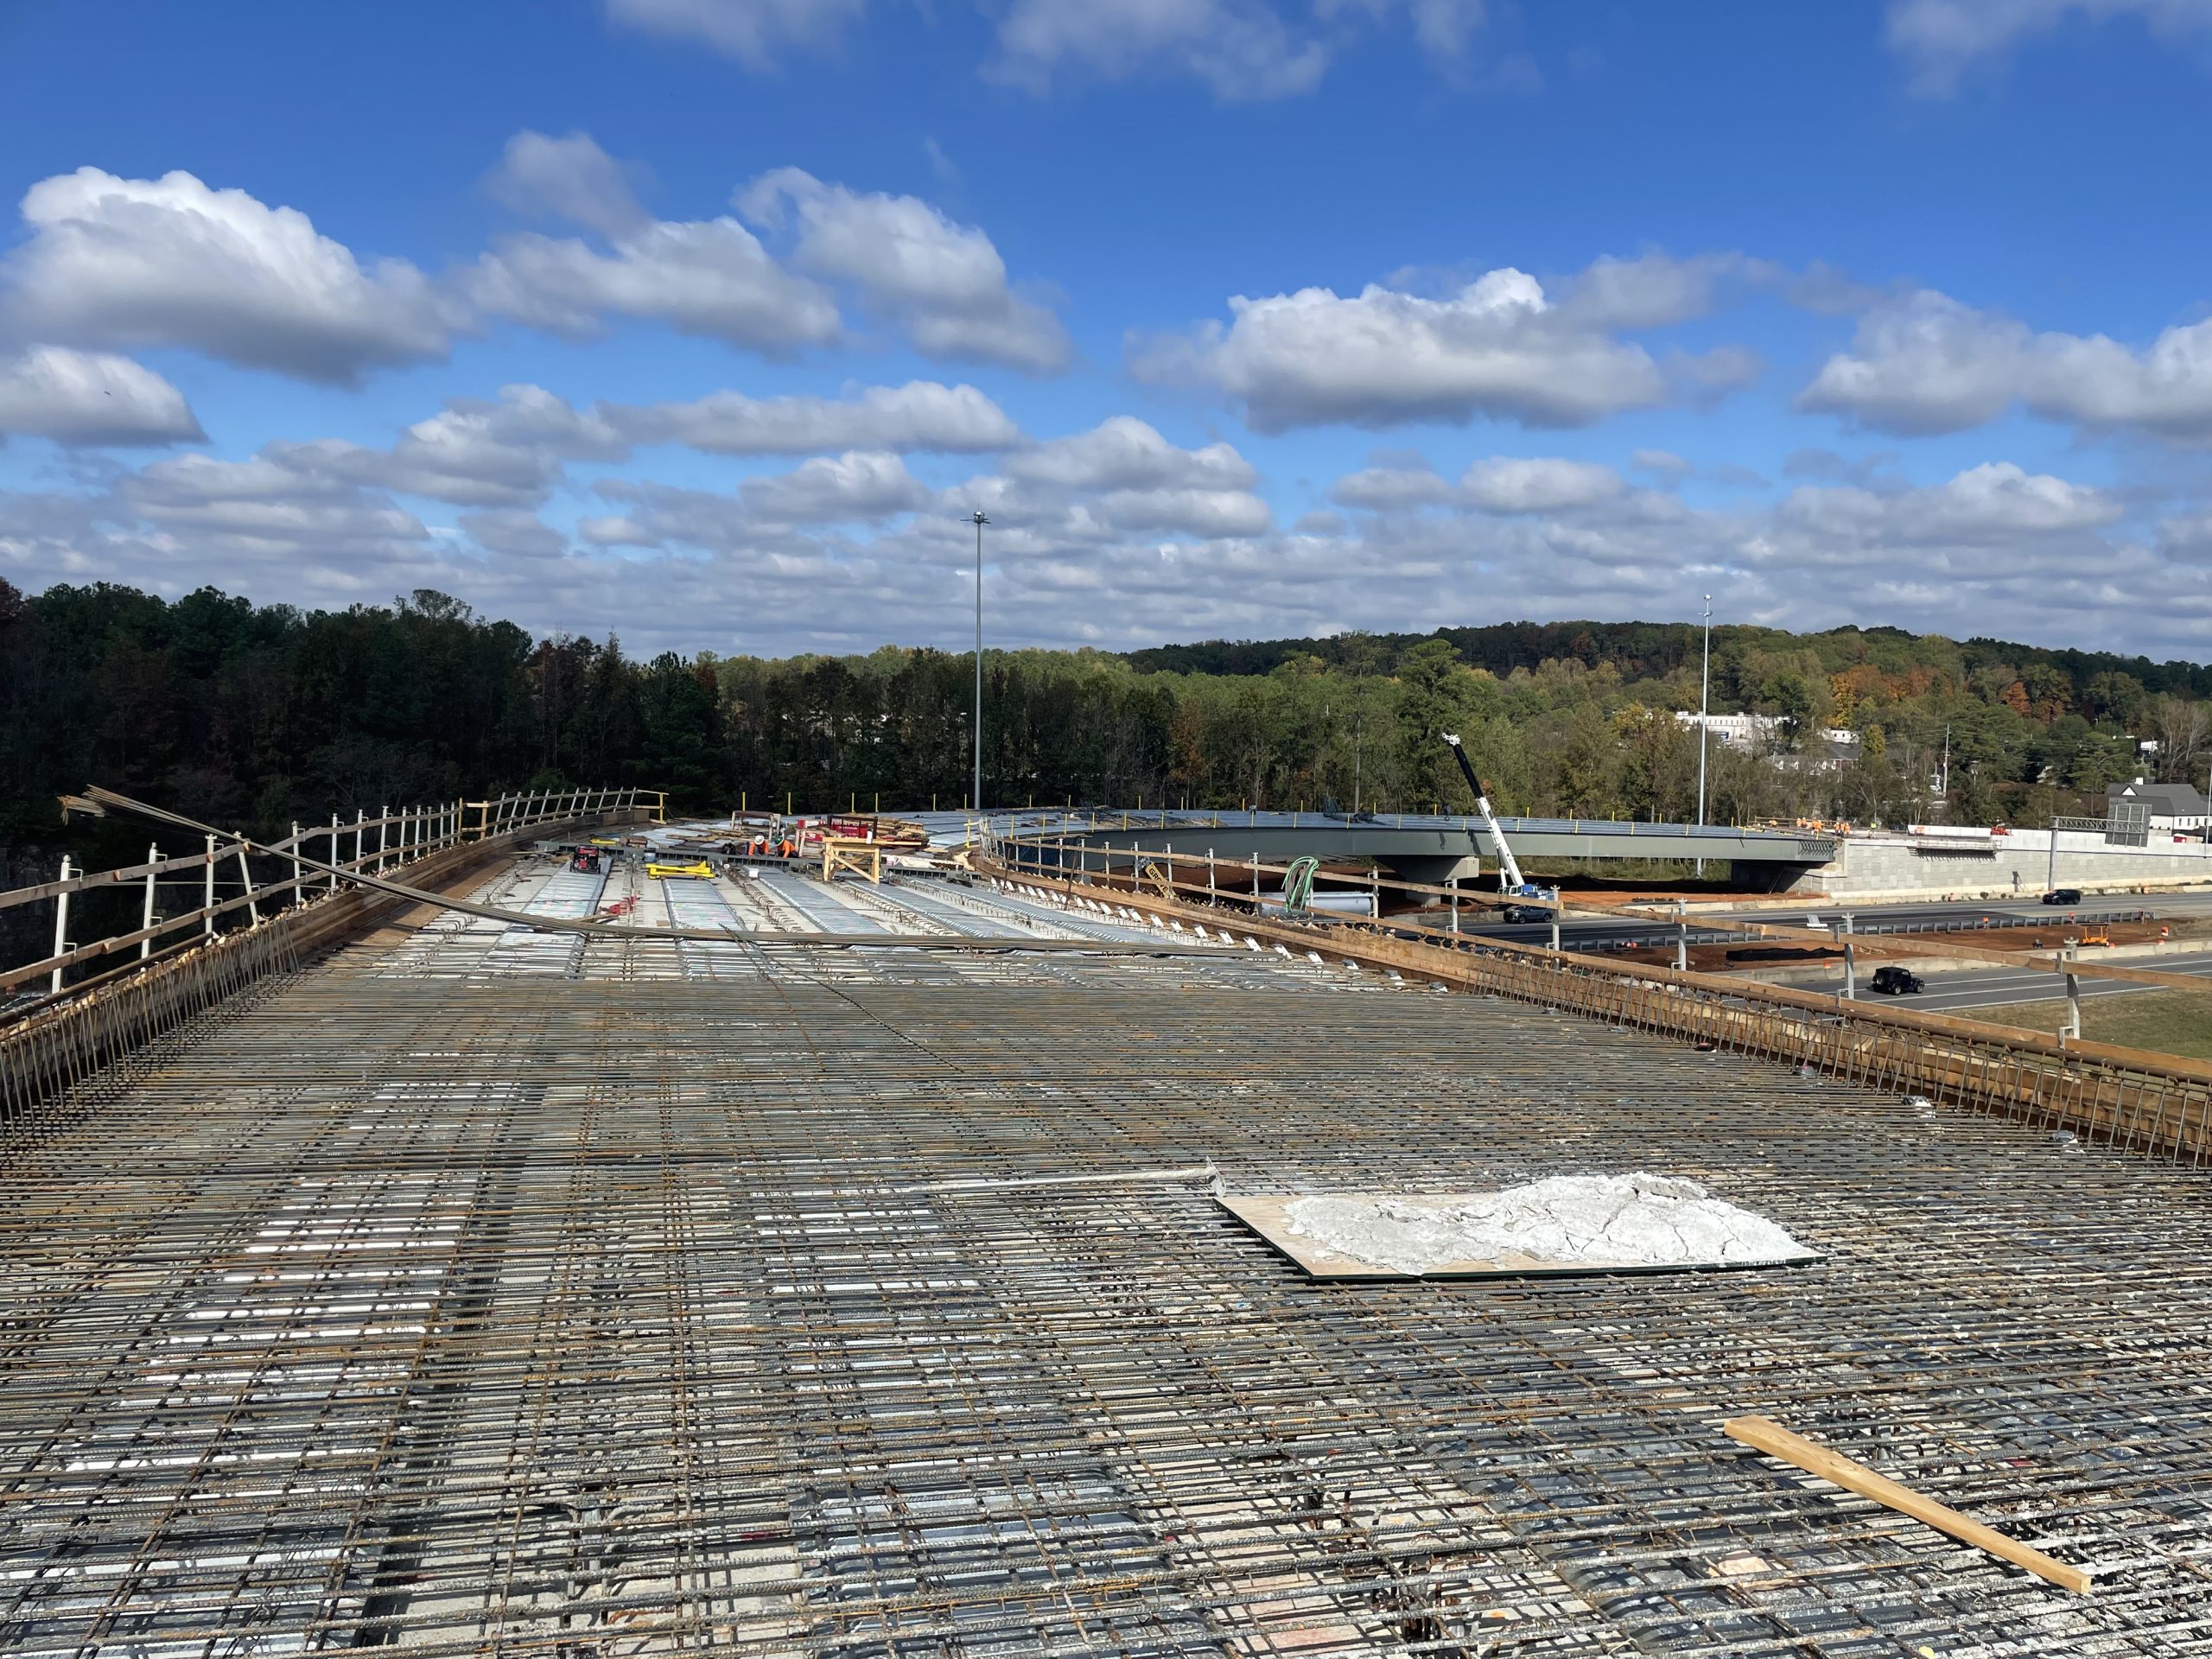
x: 1510, y: 882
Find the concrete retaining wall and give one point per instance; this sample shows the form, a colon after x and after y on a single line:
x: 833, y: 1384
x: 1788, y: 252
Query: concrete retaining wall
x: 1917, y: 867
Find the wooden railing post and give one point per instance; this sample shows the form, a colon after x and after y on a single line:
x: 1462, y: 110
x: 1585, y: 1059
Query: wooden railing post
x: 61, y: 925
x: 146, y: 925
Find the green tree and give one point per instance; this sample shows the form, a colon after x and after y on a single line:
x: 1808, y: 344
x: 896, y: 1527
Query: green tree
x: 1427, y: 709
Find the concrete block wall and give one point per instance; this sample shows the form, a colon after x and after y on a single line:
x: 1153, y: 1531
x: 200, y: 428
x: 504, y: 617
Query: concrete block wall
x: 1901, y: 870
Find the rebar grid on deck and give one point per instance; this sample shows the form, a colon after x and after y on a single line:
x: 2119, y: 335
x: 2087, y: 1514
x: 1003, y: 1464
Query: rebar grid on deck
x: 525, y: 1313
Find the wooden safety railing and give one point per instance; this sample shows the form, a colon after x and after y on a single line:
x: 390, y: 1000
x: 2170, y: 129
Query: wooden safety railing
x: 229, y: 882
x: 2156, y: 1103
x: 53, y: 1042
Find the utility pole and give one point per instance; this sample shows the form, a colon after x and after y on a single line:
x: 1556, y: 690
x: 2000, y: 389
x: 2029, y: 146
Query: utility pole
x: 980, y: 522
x: 1704, y: 699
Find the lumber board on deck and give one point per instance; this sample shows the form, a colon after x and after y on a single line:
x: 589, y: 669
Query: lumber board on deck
x: 1764, y: 1434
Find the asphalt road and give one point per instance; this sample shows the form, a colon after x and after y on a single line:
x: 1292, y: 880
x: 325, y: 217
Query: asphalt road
x: 1992, y: 987
x: 1960, y: 992
x: 1883, y: 920
x: 2161, y: 905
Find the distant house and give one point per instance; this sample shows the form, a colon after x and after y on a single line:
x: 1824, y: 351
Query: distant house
x: 2175, y: 807
x: 1737, y: 731
x: 1828, y: 749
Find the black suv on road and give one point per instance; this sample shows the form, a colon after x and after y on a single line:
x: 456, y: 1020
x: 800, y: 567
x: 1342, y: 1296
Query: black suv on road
x: 2063, y: 896
x: 1898, y: 981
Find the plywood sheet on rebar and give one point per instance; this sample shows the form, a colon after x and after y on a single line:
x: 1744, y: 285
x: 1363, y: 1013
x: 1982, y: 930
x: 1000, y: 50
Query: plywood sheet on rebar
x: 1266, y: 1214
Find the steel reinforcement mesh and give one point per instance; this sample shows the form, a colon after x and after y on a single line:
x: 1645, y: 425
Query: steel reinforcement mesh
x: 623, y: 1316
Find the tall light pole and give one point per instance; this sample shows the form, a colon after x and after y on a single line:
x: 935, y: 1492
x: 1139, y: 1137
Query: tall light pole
x: 1704, y: 696
x: 978, y: 797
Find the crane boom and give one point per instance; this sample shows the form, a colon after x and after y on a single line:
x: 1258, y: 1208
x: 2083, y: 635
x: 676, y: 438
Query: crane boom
x: 1509, y: 871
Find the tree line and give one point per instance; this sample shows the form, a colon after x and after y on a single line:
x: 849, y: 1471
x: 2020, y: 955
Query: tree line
x: 253, y: 717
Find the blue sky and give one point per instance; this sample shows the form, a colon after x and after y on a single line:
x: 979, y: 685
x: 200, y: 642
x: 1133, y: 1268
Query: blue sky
x: 709, y: 321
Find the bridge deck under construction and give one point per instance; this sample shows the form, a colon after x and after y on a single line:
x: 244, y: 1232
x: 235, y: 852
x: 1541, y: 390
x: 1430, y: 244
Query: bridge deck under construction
x: 478, y: 1290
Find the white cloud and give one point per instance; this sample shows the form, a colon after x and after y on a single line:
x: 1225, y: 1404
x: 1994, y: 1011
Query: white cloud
x: 1443, y: 29
x: 1501, y: 486
x: 1084, y: 491
x: 507, y: 454
x: 520, y: 535
x: 1652, y: 290
x: 1663, y: 463
x: 1209, y: 515
x: 850, y: 552
x: 118, y: 263
x: 570, y: 178
x: 90, y: 398
x: 709, y: 277
x: 263, y: 510
x: 944, y: 283
x: 859, y: 485
x: 1240, y: 49
x: 1386, y: 489
x: 778, y: 513
x: 1544, y: 485
x: 922, y: 415
x: 613, y: 530
x: 1924, y: 363
x: 474, y: 453
x: 1941, y: 39
x: 1122, y: 475
x: 1123, y: 452
x: 1998, y: 498
x: 1704, y: 378
x: 757, y: 33
x: 1497, y: 348
x: 115, y: 262
x: 1996, y: 503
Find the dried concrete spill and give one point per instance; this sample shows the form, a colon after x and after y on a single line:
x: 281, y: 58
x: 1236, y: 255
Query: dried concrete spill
x: 1638, y: 1220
